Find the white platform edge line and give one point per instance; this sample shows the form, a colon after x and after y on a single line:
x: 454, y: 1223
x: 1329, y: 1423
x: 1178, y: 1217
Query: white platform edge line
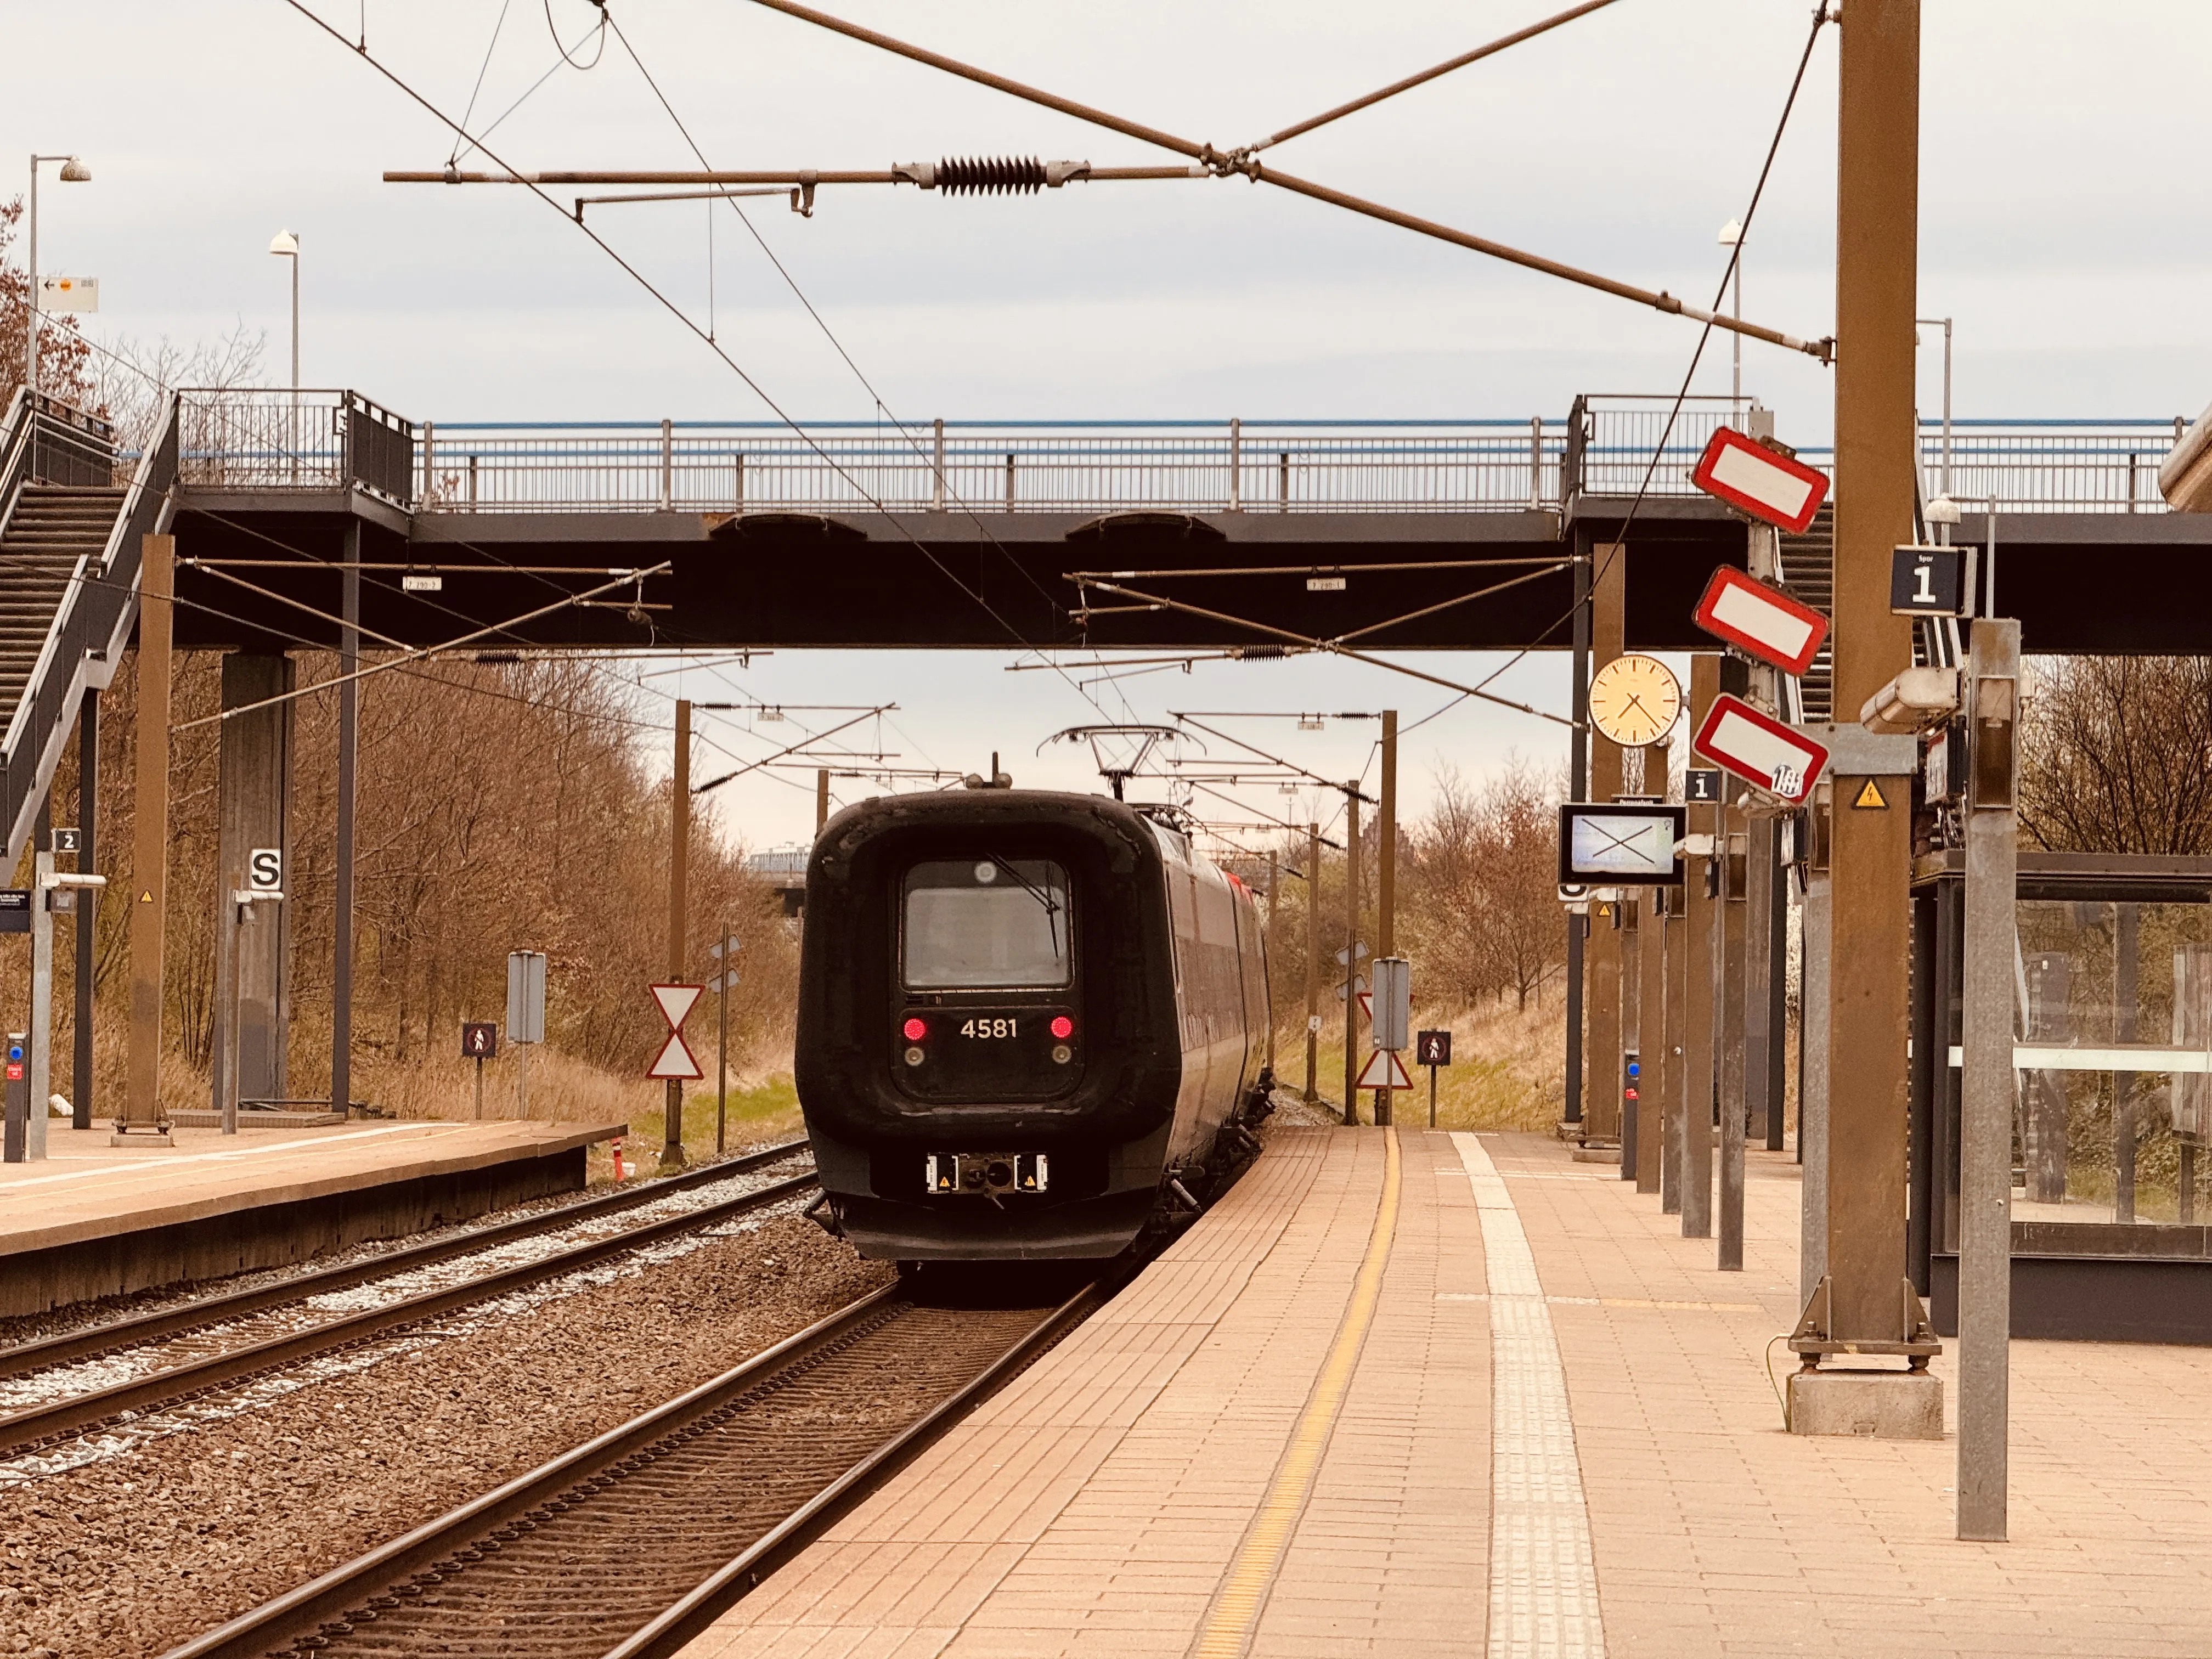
x: 1543, y: 1572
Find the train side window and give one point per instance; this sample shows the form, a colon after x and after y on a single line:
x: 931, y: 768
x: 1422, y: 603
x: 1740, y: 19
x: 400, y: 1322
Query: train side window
x: 986, y: 923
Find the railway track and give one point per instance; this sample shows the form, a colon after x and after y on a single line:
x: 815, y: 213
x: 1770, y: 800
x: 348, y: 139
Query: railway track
x: 62, y: 1385
x: 629, y: 1546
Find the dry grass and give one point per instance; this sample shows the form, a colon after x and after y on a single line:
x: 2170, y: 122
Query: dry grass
x: 1506, y: 1070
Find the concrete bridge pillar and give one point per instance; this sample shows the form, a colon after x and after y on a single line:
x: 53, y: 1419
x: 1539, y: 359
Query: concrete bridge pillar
x: 254, y: 790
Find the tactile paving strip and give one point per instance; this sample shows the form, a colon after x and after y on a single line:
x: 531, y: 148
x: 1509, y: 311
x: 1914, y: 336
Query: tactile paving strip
x: 1543, y: 1577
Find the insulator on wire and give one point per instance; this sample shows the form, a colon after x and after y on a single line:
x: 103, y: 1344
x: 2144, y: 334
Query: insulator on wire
x: 991, y: 175
x: 1261, y: 653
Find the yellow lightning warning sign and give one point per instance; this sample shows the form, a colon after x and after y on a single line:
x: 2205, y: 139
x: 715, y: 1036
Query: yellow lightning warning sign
x: 1869, y: 798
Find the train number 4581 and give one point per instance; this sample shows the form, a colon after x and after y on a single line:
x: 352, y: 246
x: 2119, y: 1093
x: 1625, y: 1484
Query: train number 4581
x: 988, y: 1028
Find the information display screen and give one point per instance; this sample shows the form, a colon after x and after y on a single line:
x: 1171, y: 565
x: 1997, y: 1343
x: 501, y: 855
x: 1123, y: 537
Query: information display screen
x: 1606, y: 845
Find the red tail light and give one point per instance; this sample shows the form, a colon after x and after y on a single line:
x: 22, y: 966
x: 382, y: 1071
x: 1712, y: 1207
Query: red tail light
x: 1062, y: 1027
x: 917, y: 1030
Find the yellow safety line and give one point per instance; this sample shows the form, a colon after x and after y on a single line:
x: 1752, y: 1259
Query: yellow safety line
x: 1233, y: 1618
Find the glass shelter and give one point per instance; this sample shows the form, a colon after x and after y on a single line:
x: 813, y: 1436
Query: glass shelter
x: 2113, y: 1096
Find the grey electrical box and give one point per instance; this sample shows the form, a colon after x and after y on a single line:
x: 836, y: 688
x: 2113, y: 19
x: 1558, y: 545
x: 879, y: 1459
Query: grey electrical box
x: 525, y: 996
x: 1394, y: 1003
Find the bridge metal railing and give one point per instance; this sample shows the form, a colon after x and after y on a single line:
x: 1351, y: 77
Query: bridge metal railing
x: 279, y: 440
x: 990, y: 466
x: 313, y: 439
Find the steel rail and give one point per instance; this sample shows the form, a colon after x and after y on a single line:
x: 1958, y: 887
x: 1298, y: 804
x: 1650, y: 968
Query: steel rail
x: 114, y: 1335
x: 299, y: 1611
x: 41, y: 1422
x: 1230, y: 163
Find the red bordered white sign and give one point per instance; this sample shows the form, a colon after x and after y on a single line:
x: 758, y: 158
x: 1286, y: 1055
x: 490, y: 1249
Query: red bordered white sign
x: 1383, y: 1070
x: 1746, y: 473
x: 1760, y: 750
x: 675, y: 1060
x: 1761, y: 620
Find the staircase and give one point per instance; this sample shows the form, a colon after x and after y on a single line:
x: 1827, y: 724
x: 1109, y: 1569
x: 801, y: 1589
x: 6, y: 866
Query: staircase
x: 1808, y: 572
x: 52, y: 528
x: 69, y: 543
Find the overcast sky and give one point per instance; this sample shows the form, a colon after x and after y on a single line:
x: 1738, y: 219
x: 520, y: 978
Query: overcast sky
x: 2063, y: 224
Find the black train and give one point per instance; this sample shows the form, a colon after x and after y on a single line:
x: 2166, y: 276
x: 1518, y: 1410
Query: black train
x: 1030, y: 1025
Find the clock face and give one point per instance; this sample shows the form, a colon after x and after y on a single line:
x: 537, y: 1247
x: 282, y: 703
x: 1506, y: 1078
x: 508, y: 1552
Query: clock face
x: 1634, y: 700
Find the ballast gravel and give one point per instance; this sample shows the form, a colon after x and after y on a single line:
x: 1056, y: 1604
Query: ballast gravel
x: 129, y: 1555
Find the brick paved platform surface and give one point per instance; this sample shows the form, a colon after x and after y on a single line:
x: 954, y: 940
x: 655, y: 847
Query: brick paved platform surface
x: 1509, y: 1431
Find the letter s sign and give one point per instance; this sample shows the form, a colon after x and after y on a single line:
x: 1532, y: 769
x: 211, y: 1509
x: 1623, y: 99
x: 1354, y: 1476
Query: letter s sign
x: 264, y: 869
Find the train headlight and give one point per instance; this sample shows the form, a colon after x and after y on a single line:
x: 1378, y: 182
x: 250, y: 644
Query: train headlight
x: 1061, y: 1054
x: 914, y: 1056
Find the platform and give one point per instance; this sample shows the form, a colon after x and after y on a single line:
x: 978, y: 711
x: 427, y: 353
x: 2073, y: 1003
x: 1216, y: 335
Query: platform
x: 91, y: 1219
x: 1524, y: 1417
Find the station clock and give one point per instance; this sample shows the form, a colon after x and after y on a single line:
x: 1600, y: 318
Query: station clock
x: 1634, y: 700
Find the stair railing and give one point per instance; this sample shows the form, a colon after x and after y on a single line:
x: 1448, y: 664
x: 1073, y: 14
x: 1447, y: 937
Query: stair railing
x: 91, y: 629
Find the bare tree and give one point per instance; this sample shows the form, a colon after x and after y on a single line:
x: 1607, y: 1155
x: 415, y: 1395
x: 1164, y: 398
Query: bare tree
x: 2117, y: 755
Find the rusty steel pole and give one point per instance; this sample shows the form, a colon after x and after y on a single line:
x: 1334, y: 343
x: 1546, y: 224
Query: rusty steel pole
x: 1702, y: 948
x: 1386, y: 882
x: 1352, y: 952
x: 1601, y: 958
x: 679, y: 873
x: 1652, y: 1006
x: 1869, y: 853
x: 1313, y: 961
x: 820, y: 797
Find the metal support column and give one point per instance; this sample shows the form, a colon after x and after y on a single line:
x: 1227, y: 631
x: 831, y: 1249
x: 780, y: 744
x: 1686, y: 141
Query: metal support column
x: 1870, y: 857
x: 253, y: 789
x: 88, y: 818
x: 1608, y: 571
x: 349, y: 769
x: 1700, y: 1007
x: 1628, y: 949
x: 1351, y: 952
x: 1812, y: 1057
x: 1677, y: 969
x: 1581, y: 949
x: 1651, y: 1055
x: 142, y: 1112
x: 1313, y: 963
x: 1386, y: 895
x: 679, y: 873
x: 1986, y: 1088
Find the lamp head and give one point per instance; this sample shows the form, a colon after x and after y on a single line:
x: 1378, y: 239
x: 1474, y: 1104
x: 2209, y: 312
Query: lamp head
x: 1732, y: 233
x: 285, y: 242
x: 73, y: 171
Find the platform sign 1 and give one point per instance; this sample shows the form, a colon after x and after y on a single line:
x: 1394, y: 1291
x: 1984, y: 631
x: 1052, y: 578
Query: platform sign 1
x: 1762, y: 622
x: 1701, y: 786
x: 1770, y: 486
x: 1765, y: 752
x: 1931, y: 581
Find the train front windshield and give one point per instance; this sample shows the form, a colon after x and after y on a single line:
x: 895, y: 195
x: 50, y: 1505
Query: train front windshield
x: 985, y: 924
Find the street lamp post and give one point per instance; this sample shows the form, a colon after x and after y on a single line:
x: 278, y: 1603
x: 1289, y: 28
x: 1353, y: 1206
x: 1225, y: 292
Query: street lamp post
x: 73, y: 171
x: 285, y: 245
x: 1732, y: 236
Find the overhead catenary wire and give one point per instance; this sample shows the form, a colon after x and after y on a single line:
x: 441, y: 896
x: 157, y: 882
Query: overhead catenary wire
x: 1235, y: 163
x: 683, y: 317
